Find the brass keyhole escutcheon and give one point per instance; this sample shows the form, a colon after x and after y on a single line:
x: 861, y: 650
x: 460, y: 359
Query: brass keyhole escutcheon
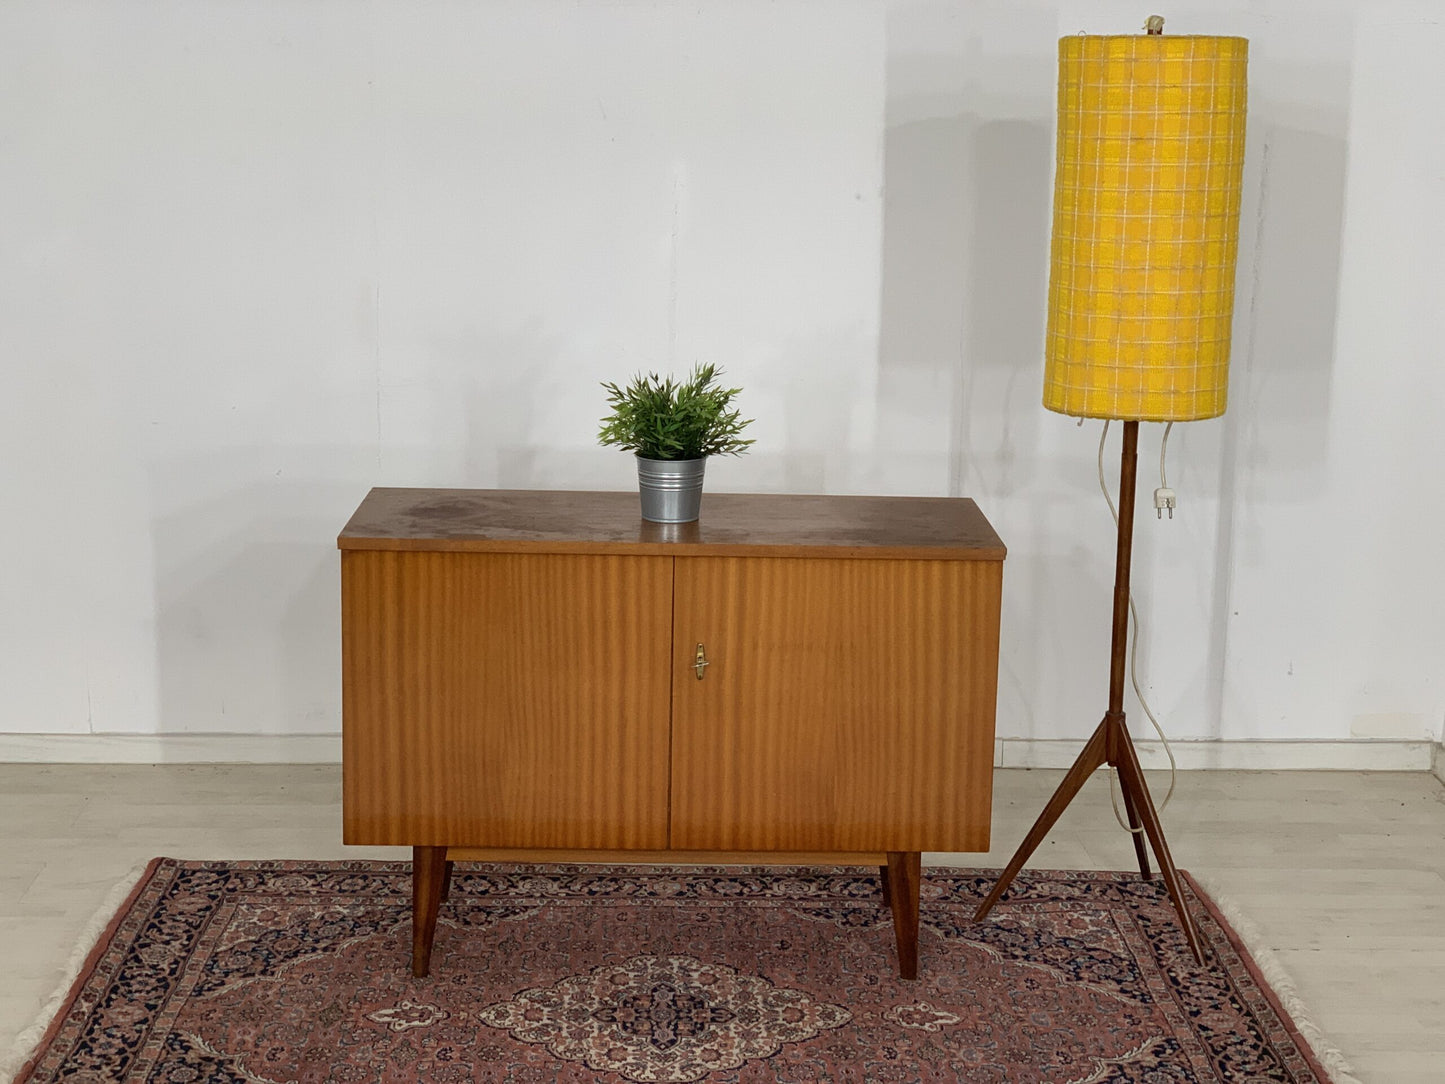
x: 699, y: 661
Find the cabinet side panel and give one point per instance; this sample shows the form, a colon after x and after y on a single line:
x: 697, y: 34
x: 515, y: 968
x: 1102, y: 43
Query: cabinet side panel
x: 505, y: 700
x: 849, y: 704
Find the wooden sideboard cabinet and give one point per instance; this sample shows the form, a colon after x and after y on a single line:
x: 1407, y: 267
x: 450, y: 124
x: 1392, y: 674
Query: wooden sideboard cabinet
x: 545, y: 676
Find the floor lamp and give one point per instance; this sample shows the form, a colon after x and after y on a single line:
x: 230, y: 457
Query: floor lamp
x: 1141, y: 296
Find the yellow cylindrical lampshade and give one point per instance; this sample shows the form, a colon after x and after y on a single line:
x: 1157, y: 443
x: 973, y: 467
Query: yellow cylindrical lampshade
x: 1146, y: 225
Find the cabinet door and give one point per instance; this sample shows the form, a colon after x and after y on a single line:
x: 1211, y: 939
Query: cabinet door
x: 848, y: 704
x: 505, y: 700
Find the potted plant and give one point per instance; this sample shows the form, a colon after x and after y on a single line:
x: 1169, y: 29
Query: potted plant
x: 673, y: 427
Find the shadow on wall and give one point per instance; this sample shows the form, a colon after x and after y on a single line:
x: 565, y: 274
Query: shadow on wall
x: 998, y: 409
x: 807, y: 406
x: 247, y: 624
x: 1284, y: 347
x: 532, y: 408
x: 964, y: 285
x: 1275, y: 436
x: 479, y: 394
x: 485, y: 407
x: 926, y: 231
x: 967, y: 166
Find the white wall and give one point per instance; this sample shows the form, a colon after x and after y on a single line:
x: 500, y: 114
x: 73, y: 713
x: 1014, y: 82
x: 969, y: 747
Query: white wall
x: 256, y: 257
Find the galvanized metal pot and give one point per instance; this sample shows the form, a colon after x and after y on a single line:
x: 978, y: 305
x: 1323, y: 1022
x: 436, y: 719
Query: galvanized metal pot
x: 671, y: 489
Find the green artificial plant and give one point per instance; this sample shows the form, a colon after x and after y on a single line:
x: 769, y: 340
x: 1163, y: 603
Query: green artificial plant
x: 663, y: 419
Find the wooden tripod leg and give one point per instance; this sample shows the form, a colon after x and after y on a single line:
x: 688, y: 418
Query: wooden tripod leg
x: 428, y: 885
x: 904, y: 874
x: 1131, y: 778
x: 1094, y: 753
x: 1136, y: 830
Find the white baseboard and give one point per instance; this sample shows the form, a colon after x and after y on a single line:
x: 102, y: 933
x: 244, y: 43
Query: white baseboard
x: 1355, y: 755
x: 1347, y: 755
x: 170, y: 748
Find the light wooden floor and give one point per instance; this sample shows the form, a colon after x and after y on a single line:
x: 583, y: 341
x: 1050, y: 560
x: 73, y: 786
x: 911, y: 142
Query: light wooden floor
x: 1344, y: 873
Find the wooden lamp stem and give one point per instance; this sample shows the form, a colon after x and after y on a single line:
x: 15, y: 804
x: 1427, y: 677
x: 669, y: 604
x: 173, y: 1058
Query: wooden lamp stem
x: 1110, y: 743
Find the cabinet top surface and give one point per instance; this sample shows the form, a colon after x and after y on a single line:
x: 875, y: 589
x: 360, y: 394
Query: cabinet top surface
x: 732, y: 524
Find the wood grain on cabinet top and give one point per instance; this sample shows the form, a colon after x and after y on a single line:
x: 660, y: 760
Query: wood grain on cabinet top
x: 732, y: 524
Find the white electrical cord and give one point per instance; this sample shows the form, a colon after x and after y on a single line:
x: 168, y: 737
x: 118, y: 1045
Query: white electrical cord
x: 1134, y: 646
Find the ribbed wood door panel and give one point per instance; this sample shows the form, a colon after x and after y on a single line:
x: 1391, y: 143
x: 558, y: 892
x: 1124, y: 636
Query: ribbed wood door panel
x: 848, y: 704
x: 505, y: 700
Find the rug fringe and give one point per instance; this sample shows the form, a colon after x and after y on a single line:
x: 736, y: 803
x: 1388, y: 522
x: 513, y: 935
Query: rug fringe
x: 13, y: 1059
x: 1278, y: 977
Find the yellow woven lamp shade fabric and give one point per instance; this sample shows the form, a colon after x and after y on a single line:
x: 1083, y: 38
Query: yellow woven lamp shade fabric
x: 1146, y: 225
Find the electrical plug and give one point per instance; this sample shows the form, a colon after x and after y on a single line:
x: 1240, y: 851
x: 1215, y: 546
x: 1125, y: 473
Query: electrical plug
x: 1163, y: 498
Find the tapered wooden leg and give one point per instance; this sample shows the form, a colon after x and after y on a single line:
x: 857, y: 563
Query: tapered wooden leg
x: 904, y: 875
x: 1094, y: 753
x: 429, y: 869
x: 887, y: 888
x: 1136, y: 830
x: 1131, y: 778
x: 447, y: 880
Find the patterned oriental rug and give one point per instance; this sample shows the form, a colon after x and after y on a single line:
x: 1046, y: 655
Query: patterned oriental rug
x: 278, y: 972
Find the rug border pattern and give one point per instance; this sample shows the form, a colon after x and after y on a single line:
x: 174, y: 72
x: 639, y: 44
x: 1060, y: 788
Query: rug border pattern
x: 161, y: 872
